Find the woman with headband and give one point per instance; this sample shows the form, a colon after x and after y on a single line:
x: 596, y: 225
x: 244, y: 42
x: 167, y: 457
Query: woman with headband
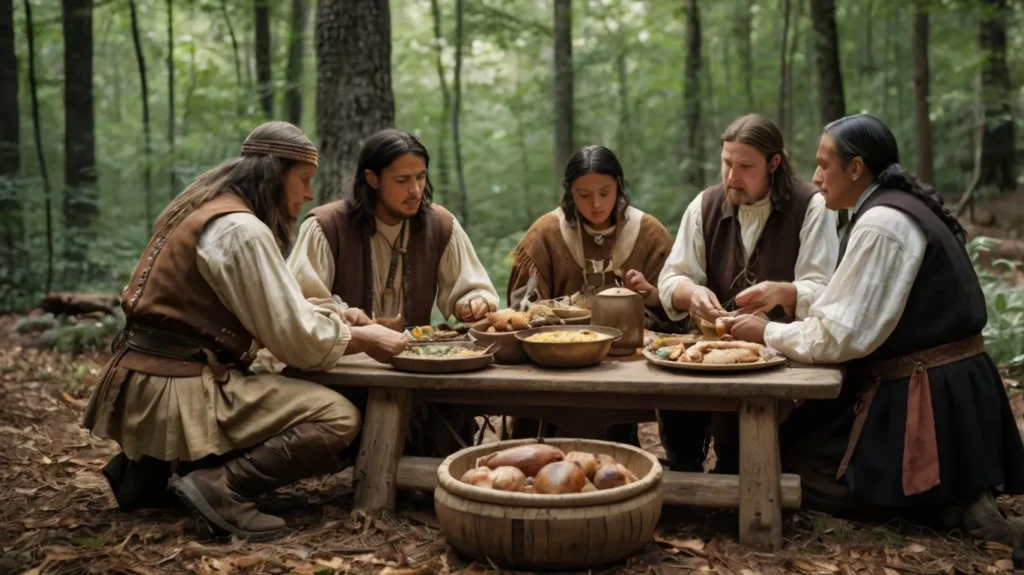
x: 922, y: 426
x: 210, y: 289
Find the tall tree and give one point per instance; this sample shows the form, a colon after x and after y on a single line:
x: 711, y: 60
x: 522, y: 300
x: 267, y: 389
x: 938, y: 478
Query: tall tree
x: 692, y: 96
x: 460, y: 39
x: 354, y: 97
x: 10, y: 137
x: 34, y: 92
x: 922, y: 123
x: 172, y: 174
x: 147, y: 178
x: 784, y: 75
x: 81, y: 198
x: 564, y: 123
x: 743, y: 32
x: 830, y: 77
x: 996, y: 158
x: 10, y: 122
x: 264, y: 80
x: 296, y: 57
x: 443, y: 177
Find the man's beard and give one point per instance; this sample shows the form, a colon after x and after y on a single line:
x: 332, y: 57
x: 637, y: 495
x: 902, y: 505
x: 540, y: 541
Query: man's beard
x: 398, y: 214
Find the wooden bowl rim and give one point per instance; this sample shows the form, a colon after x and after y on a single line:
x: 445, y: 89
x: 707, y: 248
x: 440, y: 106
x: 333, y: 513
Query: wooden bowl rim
x: 514, y: 499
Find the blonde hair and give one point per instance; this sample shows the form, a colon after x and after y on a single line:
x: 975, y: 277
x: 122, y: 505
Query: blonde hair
x: 257, y: 177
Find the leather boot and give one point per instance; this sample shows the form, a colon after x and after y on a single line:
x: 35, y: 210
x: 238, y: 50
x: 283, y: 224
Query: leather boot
x: 983, y: 520
x: 222, y: 495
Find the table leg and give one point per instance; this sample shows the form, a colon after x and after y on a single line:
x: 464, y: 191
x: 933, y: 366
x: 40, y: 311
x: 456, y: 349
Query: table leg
x: 760, y: 499
x: 385, y: 425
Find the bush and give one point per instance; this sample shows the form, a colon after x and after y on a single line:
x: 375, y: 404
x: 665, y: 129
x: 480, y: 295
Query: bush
x: 1004, y: 333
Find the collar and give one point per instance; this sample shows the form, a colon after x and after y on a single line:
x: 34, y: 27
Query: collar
x: 863, y: 197
x: 624, y: 240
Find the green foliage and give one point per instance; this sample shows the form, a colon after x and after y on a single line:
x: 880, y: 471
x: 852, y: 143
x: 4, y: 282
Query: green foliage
x: 76, y: 336
x: 1004, y: 333
x: 35, y: 324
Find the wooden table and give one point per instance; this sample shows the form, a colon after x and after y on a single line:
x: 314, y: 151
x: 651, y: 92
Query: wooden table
x: 631, y: 386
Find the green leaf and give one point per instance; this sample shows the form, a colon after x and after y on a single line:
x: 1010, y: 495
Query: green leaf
x: 1001, y: 302
x: 88, y: 542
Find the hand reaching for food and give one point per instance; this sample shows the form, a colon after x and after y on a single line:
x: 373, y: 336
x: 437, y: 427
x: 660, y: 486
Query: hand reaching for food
x: 473, y: 310
x: 765, y: 296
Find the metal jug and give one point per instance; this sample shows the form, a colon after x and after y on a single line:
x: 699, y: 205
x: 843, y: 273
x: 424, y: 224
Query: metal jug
x: 622, y: 309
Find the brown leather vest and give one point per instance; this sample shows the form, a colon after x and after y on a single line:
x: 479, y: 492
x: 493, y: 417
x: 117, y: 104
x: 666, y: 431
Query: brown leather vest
x: 428, y: 237
x: 774, y: 255
x: 168, y: 293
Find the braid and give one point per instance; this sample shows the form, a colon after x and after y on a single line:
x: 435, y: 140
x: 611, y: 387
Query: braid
x: 897, y: 178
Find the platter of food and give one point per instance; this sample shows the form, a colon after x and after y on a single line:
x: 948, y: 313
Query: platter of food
x: 542, y: 469
x: 715, y: 356
x: 450, y: 357
x: 452, y: 330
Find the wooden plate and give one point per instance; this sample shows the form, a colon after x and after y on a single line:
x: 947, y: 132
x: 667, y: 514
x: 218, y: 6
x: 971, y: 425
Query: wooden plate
x: 444, y: 365
x: 651, y: 357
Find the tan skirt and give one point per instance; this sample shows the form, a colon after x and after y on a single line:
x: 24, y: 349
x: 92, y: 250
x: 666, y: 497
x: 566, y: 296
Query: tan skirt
x: 187, y: 418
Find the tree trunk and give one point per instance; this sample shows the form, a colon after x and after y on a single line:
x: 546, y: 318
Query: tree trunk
x: 264, y: 81
x: 34, y: 92
x: 234, y: 41
x: 460, y: 39
x: 783, y: 67
x: 10, y: 144
x: 564, y: 124
x: 172, y: 176
x: 694, y: 149
x: 147, y: 178
x: 296, y: 56
x: 10, y: 120
x: 625, y: 131
x: 830, y: 77
x: 81, y: 199
x: 743, y: 31
x: 787, y: 128
x: 922, y: 123
x: 190, y: 90
x: 354, y: 98
x: 996, y: 159
x: 443, y: 187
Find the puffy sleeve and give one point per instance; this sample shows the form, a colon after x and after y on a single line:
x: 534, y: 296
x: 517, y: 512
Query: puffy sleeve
x: 861, y: 305
x: 686, y: 261
x: 460, y: 275
x: 816, y: 260
x: 238, y: 257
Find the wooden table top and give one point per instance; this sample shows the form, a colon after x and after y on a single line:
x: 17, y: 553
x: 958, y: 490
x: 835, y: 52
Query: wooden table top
x: 630, y: 375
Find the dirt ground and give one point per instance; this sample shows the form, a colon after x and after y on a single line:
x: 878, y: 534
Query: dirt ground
x: 58, y: 516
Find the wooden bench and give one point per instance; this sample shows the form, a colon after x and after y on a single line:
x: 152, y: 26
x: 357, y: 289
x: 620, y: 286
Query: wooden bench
x: 629, y: 385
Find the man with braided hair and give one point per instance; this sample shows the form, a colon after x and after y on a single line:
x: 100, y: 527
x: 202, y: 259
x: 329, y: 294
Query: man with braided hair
x: 211, y: 288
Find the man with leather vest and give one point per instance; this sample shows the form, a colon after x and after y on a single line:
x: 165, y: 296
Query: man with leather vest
x: 761, y: 240
x: 389, y: 254
x: 210, y: 289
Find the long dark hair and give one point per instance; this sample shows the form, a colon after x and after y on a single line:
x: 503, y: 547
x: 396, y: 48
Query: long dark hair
x: 380, y: 151
x: 258, y: 179
x: 763, y: 135
x: 598, y: 160
x: 867, y: 137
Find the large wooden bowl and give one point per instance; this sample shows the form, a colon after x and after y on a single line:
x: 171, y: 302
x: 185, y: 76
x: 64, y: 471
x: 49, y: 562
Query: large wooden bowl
x: 574, y: 354
x: 533, y: 531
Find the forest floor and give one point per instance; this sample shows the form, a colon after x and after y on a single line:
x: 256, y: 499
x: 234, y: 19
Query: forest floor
x: 57, y: 514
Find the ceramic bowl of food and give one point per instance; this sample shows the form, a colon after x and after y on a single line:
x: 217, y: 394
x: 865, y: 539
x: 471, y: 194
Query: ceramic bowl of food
x: 567, y: 345
x: 508, y: 351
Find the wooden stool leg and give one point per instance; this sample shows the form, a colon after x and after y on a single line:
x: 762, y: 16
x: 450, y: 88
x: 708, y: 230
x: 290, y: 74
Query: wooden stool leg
x: 386, y: 423
x: 760, y: 499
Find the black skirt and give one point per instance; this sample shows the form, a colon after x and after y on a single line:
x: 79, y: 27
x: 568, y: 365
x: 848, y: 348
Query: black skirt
x: 978, y: 441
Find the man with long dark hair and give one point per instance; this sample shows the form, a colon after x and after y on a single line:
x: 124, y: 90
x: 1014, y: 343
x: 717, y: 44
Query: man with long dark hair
x: 761, y: 240
x: 389, y: 251
x: 922, y: 425
x: 210, y: 289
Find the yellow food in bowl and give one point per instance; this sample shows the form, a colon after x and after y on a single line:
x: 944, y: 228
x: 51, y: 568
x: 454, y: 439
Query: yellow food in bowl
x: 581, y: 336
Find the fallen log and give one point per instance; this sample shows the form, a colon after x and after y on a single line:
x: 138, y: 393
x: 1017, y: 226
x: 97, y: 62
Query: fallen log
x: 62, y: 303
